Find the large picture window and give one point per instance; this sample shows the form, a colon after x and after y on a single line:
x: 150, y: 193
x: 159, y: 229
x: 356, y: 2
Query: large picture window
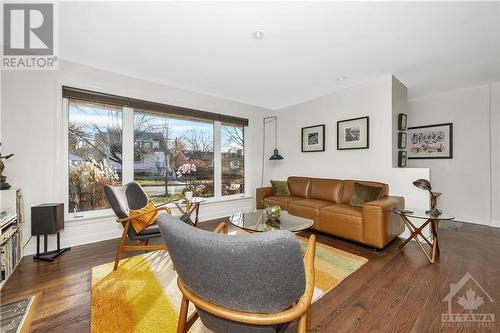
x: 113, y: 140
x: 232, y: 159
x: 94, y: 153
x: 164, y: 147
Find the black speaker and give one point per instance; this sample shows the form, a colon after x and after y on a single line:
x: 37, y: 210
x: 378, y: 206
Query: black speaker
x: 47, y: 219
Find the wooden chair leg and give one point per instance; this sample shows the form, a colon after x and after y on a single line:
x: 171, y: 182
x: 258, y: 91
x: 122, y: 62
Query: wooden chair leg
x: 120, y: 247
x: 309, y: 319
x: 190, y: 321
x: 181, y: 325
x: 302, y: 326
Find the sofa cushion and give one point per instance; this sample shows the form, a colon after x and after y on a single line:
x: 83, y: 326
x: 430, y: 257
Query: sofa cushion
x: 312, y: 203
x: 326, y: 189
x: 280, y: 187
x: 280, y: 200
x: 349, y: 184
x: 344, y: 209
x: 299, y: 186
x: 307, y: 208
x: 362, y: 193
x: 342, y: 221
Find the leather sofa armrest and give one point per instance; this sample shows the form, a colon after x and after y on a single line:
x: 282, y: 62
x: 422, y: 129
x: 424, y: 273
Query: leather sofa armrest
x: 262, y: 193
x: 380, y: 224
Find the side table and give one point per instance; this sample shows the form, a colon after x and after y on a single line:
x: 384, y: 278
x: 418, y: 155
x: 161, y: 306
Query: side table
x: 188, y: 207
x: 417, y: 231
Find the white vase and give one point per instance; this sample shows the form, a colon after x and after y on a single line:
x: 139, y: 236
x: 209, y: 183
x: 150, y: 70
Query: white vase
x: 188, y: 195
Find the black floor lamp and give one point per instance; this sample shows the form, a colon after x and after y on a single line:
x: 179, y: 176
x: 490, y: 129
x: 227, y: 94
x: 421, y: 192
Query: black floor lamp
x: 276, y: 155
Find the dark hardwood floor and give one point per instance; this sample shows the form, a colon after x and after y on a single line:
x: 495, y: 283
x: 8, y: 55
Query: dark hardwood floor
x: 396, y: 291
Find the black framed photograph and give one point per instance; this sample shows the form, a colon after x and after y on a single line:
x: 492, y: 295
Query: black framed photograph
x: 402, y: 156
x: 402, y: 140
x: 431, y: 141
x: 313, y: 138
x: 402, y: 121
x: 353, y: 133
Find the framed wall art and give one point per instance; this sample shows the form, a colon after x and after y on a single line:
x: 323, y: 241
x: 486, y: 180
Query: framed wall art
x: 313, y: 138
x: 402, y: 140
x: 402, y: 121
x: 353, y: 133
x: 431, y: 141
x: 402, y: 156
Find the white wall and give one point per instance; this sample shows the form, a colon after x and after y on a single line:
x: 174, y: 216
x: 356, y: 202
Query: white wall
x: 466, y: 181
x: 373, y: 99
x: 31, y: 127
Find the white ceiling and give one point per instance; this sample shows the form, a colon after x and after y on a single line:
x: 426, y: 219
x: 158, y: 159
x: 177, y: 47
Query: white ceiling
x: 207, y: 46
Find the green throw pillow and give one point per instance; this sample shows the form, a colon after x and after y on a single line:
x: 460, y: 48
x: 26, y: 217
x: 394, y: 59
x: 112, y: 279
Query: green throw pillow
x: 280, y: 187
x: 364, y: 193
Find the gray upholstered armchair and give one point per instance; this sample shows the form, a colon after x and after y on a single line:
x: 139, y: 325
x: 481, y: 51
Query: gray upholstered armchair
x: 122, y: 199
x: 240, y: 283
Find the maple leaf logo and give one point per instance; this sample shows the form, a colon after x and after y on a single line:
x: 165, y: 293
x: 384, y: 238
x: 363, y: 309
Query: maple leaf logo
x: 470, y: 301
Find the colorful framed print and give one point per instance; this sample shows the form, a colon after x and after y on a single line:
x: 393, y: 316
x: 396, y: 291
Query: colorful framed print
x: 313, y: 138
x: 431, y: 141
x: 353, y: 133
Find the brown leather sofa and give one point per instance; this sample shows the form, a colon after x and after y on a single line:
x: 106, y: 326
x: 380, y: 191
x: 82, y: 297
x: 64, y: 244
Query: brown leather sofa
x: 326, y: 201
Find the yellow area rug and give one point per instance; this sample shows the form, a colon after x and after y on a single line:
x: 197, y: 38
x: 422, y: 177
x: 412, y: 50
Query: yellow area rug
x: 142, y: 294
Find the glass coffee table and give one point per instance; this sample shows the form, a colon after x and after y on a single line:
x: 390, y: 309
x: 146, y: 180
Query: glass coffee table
x: 257, y: 221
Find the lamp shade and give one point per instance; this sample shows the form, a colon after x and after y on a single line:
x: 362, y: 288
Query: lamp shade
x: 423, y: 184
x: 276, y: 156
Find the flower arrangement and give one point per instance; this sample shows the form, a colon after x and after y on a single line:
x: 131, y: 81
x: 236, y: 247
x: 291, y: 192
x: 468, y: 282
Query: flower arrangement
x: 273, y: 212
x: 187, y: 169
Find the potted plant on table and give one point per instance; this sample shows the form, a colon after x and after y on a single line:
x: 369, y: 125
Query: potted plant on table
x: 187, y: 170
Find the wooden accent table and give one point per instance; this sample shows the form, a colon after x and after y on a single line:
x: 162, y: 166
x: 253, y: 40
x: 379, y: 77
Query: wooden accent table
x: 188, y: 207
x: 417, y: 231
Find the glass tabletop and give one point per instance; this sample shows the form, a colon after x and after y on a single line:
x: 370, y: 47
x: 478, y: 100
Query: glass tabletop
x: 421, y: 214
x: 258, y: 221
x: 194, y: 200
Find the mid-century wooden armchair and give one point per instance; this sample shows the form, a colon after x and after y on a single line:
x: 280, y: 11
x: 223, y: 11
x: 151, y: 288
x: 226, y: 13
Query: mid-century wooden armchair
x: 127, y: 197
x: 240, y: 283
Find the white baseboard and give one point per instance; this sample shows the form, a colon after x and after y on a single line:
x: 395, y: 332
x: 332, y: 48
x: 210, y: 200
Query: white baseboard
x: 495, y: 223
x: 471, y: 219
x: 96, y: 230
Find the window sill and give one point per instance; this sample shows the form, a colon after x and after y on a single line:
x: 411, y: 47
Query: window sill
x: 108, y: 213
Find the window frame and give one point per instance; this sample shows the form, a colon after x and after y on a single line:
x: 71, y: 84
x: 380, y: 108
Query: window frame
x: 128, y: 163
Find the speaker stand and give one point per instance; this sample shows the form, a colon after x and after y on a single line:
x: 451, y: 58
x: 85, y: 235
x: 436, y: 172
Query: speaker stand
x: 48, y: 255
